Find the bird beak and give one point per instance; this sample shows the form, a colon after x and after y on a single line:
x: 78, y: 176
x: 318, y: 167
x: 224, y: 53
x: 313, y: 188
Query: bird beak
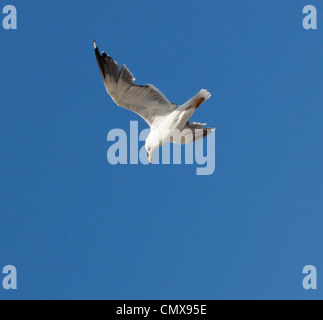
x: 150, y: 157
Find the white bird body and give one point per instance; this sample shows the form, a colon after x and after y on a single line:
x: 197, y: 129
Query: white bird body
x: 167, y: 121
x: 173, y: 124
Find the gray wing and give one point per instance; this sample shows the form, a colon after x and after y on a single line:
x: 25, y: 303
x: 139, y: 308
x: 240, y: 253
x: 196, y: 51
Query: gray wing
x: 193, y: 131
x: 147, y: 101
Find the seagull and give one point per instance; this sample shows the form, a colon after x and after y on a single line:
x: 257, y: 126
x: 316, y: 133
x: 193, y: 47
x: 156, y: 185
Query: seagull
x: 168, y: 121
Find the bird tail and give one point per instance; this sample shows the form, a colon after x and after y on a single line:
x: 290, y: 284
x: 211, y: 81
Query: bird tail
x: 197, y: 100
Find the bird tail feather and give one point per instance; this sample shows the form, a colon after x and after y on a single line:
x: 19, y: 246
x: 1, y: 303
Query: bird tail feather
x: 197, y: 100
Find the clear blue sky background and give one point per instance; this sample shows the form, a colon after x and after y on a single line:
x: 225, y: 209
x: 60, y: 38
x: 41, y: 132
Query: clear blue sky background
x: 77, y: 227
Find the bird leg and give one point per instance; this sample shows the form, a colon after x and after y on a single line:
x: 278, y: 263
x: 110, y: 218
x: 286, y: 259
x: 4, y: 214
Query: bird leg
x: 199, y: 102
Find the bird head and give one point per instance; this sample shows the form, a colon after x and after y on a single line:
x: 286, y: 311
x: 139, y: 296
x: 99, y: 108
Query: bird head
x: 149, y: 150
x: 152, y: 142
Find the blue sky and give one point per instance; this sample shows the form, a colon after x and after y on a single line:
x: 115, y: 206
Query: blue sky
x: 77, y: 227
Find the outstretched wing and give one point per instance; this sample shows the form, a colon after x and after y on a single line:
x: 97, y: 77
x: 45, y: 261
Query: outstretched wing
x: 193, y: 131
x: 147, y: 101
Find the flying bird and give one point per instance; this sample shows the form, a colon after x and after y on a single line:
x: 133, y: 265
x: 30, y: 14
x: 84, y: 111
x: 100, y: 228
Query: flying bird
x: 168, y: 121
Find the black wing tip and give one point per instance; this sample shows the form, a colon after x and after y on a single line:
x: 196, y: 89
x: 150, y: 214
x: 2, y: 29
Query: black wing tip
x: 207, y: 131
x: 99, y: 60
x: 103, y: 54
x: 96, y: 49
x: 106, y: 64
